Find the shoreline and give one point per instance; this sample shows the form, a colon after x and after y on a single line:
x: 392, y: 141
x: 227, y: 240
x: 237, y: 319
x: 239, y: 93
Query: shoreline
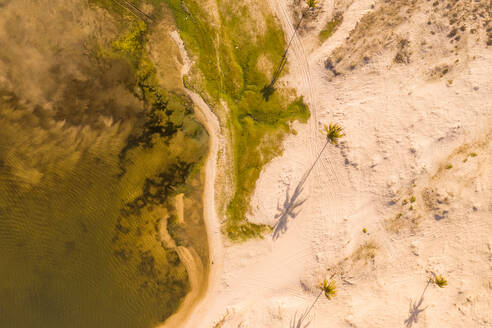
x: 195, y: 301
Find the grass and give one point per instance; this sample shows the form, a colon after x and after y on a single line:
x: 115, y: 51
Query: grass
x: 126, y: 8
x: 330, y: 28
x: 227, y: 58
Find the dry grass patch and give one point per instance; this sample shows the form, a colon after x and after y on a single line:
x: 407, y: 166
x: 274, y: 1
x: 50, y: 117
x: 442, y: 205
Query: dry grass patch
x: 403, y: 222
x: 365, y: 252
x: 363, y: 255
x: 449, y: 27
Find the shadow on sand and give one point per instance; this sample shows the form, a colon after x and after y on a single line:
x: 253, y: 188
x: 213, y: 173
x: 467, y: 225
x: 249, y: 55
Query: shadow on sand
x: 299, y: 322
x: 415, y: 309
x: 292, y: 202
x: 287, y: 210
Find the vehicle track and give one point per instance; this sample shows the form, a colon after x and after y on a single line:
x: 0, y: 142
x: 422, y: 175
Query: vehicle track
x: 306, y: 87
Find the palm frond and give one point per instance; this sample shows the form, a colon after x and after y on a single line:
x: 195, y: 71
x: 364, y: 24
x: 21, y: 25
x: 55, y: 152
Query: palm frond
x: 333, y: 132
x: 312, y: 3
x: 329, y: 288
x: 440, y: 281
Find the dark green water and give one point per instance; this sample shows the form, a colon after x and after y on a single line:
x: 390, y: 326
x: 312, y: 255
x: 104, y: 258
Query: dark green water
x: 88, y: 167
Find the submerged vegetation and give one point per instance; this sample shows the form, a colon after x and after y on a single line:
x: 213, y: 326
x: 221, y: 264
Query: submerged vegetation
x: 90, y: 162
x: 229, y: 53
x: 161, y: 159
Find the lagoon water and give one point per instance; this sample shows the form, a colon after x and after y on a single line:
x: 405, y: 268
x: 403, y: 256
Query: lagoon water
x: 58, y: 265
x: 89, y: 165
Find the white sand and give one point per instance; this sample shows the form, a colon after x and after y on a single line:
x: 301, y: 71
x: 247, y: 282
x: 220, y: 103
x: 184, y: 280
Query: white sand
x: 402, y: 130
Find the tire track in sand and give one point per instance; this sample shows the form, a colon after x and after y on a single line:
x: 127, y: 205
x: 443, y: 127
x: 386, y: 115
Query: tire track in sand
x: 306, y: 88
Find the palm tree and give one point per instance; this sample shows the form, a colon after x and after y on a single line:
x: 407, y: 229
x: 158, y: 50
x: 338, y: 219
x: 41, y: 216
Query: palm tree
x: 333, y: 133
x: 312, y: 3
x: 440, y: 281
x: 416, y: 307
x: 329, y: 288
x: 269, y: 89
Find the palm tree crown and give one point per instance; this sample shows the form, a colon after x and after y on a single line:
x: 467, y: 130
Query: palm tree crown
x: 333, y: 133
x: 440, y: 281
x: 329, y: 288
x: 311, y: 3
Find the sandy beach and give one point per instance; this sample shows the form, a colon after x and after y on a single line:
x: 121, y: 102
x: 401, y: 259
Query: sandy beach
x: 406, y: 194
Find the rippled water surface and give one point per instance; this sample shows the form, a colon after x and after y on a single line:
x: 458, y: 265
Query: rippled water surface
x: 58, y: 267
x: 92, y: 153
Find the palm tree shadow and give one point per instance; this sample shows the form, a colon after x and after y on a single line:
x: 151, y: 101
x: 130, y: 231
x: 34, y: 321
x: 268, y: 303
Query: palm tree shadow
x: 415, y: 309
x: 292, y: 202
x: 267, y: 91
x: 299, y: 322
x: 287, y: 210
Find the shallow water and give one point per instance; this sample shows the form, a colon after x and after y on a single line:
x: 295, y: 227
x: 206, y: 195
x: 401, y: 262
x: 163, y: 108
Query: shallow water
x: 89, y: 166
x: 57, y: 260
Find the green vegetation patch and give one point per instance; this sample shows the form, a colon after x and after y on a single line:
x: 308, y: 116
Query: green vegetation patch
x: 330, y: 28
x: 228, y: 55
